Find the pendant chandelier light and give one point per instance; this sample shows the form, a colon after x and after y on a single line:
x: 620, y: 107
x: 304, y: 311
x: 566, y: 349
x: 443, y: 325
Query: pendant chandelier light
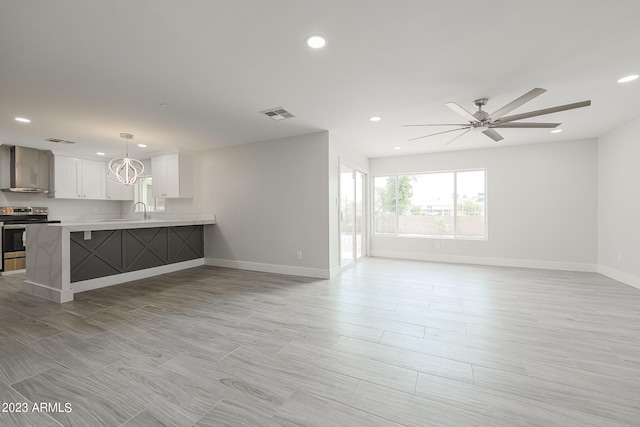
x: 124, y: 170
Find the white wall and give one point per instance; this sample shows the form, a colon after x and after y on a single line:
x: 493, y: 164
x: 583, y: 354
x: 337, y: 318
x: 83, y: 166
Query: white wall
x: 541, y: 202
x: 270, y: 199
x: 269, y: 205
x: 619, y: 204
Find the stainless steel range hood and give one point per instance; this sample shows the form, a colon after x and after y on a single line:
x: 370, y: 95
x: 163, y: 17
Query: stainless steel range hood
x: 25, y: 170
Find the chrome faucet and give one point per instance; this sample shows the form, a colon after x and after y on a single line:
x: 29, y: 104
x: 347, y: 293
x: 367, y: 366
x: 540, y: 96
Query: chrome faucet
x: 146, y: 214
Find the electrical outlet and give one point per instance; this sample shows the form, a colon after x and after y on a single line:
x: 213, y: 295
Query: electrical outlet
x: 299, y: 255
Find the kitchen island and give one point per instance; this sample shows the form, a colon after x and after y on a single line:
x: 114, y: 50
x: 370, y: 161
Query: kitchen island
x: 67, y: 258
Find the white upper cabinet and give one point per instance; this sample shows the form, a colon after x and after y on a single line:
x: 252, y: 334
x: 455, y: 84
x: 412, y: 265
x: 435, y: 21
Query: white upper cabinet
x: 172, y: 176
x: 79, y: 178
x: 93, y: 177
x: 117, y: 191
x: 66, y: 178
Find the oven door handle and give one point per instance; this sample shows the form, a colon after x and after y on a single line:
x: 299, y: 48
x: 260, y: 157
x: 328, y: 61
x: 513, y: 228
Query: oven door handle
x: 15, y: 226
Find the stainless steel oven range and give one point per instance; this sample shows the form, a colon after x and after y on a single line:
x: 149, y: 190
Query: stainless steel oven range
x: 14, y: 220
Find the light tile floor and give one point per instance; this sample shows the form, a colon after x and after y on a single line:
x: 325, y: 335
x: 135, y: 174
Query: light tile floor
x: 388, y: 343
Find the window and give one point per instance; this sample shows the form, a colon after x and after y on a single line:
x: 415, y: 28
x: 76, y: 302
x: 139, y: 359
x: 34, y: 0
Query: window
x: 438, y: 204
x: 144, y: 193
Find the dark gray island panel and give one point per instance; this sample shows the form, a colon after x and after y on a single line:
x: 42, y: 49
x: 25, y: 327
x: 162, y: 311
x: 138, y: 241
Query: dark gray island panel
x: 111, y: 252
x: 98, y: 257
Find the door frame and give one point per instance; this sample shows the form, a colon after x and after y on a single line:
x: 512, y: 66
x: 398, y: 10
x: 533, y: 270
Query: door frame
x: 365, y: 215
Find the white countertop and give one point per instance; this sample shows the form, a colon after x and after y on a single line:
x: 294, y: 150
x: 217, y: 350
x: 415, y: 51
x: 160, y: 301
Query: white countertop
x: 116, y: 224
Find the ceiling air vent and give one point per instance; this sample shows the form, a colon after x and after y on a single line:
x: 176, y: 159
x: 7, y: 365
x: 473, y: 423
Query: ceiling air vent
x: 278, y: 113
x: 59, y: 141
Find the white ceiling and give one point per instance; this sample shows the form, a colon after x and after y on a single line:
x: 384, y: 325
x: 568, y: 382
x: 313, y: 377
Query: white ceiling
x: 86, y: 70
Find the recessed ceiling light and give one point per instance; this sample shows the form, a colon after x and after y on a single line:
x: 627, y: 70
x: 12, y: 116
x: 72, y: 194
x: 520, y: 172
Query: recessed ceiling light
x: 628, y: 78
x: 397, y: 148
x: 22, y: 119
x: 99, y: 153
x: 316, y: 42
x: 375, y: 119
x: 556, y: 131
x: 142, y: 145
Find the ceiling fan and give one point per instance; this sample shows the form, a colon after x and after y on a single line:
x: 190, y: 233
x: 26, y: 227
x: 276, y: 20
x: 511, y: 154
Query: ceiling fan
x: 487, y: 123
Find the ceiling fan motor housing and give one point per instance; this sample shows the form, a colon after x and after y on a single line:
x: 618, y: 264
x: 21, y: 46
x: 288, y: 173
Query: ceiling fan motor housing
x: 480, y: 102
x: 481, y: 115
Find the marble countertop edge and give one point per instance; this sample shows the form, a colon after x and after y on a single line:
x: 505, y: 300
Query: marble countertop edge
x: 111, y: 224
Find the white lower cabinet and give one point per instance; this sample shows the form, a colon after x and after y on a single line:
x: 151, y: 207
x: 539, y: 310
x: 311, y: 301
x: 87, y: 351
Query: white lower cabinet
x: 79, y: 178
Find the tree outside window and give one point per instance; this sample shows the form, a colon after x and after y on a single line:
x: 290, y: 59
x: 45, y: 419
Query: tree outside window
x: 437, y: 204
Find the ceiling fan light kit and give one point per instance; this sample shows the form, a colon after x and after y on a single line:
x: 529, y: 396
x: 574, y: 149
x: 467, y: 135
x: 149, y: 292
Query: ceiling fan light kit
x: 481, y: 121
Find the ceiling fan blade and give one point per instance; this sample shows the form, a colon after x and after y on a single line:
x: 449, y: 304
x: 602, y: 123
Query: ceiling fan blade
x: 443, y: 124
x: 544, y: 111
x: 516, y: 103
x: 461, y: 111
x: 463, y: 133
x: 493, y: 135
x: 526, y: 125
x: 438, y: 133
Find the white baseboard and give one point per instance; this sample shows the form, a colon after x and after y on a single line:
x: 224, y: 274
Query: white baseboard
x: 625, y: 278
x: 101, y: 282
x: 269, y: 268
x: 502, y: 262
x: 335, y: 272
x: 6, y: 273
x: 46, y: 292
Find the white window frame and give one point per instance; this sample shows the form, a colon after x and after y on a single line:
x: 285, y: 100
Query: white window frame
x: 141, y: 195
x: 455, y: 206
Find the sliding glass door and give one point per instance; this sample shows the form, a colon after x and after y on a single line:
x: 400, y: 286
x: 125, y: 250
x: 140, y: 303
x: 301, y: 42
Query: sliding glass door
x: 352, y: 215
x: 359, y: 215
